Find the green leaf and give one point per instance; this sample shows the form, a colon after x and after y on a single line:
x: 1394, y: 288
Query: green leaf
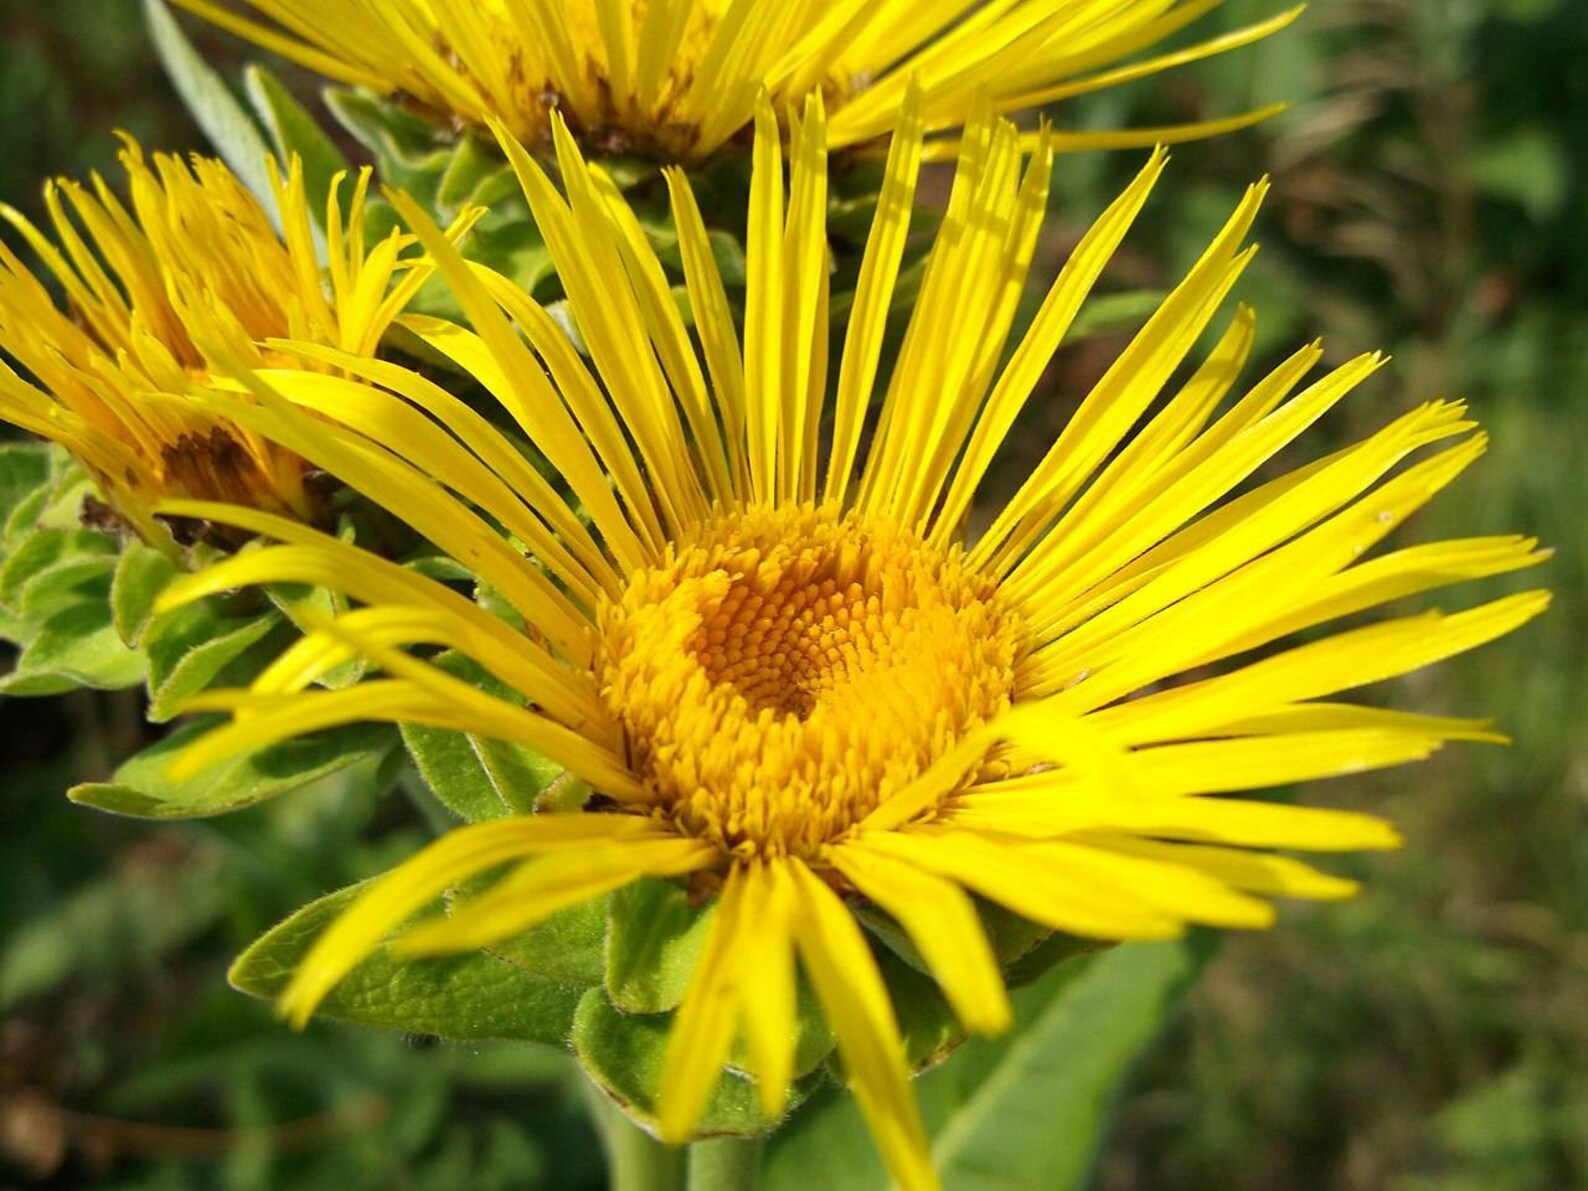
x: 729, y: 255
x: 1037, y: 1120
x: 76, y: 645
x: 22, y: 683
x: 190, y: 647
x: 307, y: 607
x: 24, y: 468
x: 23, y: 520
x: 1026, y: 1112
x: 142, y: 573
x: 623, y: 1054
x: 472, y: 166
x: 1111, y: 314
x: 67, y: 582
x: 474, y: 777
x: 465, y: 997
x: 653, y: 943
x: 55, y: 579
x: 387, y: 129
x: 142, y: 787
x: 1057, y: 948
x: 295, y: 132
x: 55, y: 503
x: 215, y: 109
x: 928, y: 1025
x: 41, y: 553
x: 568, y: 946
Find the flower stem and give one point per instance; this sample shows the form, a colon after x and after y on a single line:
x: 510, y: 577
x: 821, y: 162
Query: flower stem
x: 635, y: 1159
x: 725, y: 1164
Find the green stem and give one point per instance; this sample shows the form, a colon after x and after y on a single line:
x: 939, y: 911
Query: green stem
x: 636, y: 1160
x: 725, y: 1164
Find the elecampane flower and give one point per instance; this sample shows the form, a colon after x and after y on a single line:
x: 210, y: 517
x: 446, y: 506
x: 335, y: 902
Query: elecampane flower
x: 193, y: 269
x: 766, y: 642
x: 677, y: 79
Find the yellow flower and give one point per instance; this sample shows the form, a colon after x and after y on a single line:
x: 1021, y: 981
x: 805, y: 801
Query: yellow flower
x: 677, y: 79
x: 194, y: 270
x: 786, y: 669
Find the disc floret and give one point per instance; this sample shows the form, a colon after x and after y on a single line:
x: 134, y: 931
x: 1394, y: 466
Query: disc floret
x: 785, y: 670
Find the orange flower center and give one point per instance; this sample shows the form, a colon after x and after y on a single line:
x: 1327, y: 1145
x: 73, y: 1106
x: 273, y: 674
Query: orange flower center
x: 785, y: 670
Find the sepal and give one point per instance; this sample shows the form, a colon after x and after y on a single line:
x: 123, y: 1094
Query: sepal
x: 654, y: 940
x: 623, y: 1054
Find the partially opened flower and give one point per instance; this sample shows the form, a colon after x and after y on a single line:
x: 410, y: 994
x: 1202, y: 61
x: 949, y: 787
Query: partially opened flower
x: 761, y: 635
x: 677, y: 79
x: 194, y: 268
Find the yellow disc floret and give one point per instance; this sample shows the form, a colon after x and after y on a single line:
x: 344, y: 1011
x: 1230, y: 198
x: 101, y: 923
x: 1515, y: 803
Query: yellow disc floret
x: 784, y: 670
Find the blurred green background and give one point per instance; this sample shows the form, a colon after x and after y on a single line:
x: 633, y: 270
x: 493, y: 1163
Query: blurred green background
x: 1430, y: 199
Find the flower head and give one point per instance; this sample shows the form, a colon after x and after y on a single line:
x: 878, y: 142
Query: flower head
x: 787, y: 671
x: 156, y: 294
x: 677, y: 79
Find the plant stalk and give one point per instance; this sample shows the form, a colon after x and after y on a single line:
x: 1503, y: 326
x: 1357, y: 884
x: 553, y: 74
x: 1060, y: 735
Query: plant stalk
x: 725, y: 1164
x: 636, y: 1160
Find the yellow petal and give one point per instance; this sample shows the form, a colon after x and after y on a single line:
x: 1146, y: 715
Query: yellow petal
x: 855, y: 1001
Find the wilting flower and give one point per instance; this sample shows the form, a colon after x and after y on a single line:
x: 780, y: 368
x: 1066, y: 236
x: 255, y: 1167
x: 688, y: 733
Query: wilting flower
x: 678, y: 78
x: 764, y: 638
x: 193, y: 269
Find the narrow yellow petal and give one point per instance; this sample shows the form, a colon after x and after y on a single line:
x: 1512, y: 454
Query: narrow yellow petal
x: 1045, y: 890
x: 1137, y: 70
x: 804, y: 321
x: 763, y: 330
x: 426, y: 445
x: 1179, y: 891
x: 1035, y: 350
x: 766, y: 986
x: 541, y: 887
x: 1256, y: 872
x: 1229, y: 821
x: 524, y: 391
x: 568, y: 696
x: 1332, y: 717
x: 414, y: 496
x: 1128, y: 387
x: 855, y: 1001
x: 1249, y: 763
x: 480, y: 436
x: 708, y: 1018
x: 941, y: 921
x: 1337, y: 663
x: 719, y: 339
x: 1233, y: 591
x: 389, y: 901
x: 879, y: 273
x: 318, y: 61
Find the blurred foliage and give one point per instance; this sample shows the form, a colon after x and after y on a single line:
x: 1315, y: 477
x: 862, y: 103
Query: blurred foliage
x: 1431, y: 1036
x: 125, y: 1061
